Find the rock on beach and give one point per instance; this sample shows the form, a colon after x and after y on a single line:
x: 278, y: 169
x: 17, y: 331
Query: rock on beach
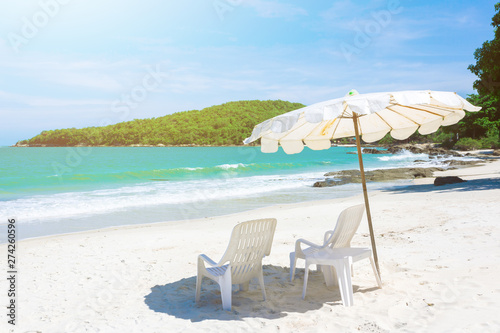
x: 354, y: 176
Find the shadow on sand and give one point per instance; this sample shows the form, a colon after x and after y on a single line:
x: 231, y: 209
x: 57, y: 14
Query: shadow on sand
x: 177, y: 298
x: 470, y: 185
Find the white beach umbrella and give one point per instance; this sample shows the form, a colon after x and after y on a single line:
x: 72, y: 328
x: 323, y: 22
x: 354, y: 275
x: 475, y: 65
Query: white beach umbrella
x: 369, y: 116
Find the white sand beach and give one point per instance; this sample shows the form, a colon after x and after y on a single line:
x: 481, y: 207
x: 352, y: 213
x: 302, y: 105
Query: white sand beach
x: 438, y: 247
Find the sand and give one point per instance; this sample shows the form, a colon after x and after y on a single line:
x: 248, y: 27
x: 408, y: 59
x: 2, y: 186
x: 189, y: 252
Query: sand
x: 439, y: 253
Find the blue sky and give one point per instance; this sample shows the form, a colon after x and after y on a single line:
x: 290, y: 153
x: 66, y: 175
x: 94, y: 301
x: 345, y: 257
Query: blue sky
x: 76, y: 63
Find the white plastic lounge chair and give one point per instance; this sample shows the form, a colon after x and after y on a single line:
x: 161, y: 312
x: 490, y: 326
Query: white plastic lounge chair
x: 250, y: 242
x: 347, y: 224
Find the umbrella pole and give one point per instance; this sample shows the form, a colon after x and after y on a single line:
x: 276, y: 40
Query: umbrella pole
x: 365, y: 192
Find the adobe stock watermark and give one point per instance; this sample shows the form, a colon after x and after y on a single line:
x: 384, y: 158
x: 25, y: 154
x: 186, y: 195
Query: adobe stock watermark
x: 222, y: 7
x: 202, y: 199
x: 138, y: 93
x: 31, y: 26
x: 364, y: 35
x: 123, y: 107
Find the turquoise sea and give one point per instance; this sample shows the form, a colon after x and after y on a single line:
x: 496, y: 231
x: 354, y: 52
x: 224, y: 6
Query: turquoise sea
x: 60, y: 190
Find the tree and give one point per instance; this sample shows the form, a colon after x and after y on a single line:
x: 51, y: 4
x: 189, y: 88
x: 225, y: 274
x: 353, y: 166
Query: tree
x: 487, y: 67
x: 479, y: 124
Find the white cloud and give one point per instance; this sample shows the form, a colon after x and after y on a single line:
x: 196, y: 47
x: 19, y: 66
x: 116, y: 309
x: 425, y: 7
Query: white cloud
x: 67, y: 102
x: 58, y: 72
x: 345, y: 13
x: 30, y: 100
x: 274, y: 9
x: 93, y: 80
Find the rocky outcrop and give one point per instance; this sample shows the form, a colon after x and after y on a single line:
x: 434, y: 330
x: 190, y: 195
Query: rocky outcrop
x: 423, y: 149
x: 369, y: 151
x: 439, y: 181
x: 462, y: 162
x: 354, y: 176
x: 373, y: 151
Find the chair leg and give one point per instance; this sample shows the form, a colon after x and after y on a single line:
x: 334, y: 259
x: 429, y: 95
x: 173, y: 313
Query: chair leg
x: 225, y: 289
x: 199, y: 278
x: 261, y: 282
x: 344, y: 279
x: 306, y: 276
x: 377, y: 277
x: 293, y: 264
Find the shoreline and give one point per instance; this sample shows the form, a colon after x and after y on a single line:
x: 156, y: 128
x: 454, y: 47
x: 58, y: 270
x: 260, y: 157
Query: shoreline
x: 72, y: 226
x: 143, y: 277
x: 461, y: 171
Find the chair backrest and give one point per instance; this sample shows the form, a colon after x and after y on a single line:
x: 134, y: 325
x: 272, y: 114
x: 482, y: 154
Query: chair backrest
x: 347, y: 224
x: 250, y: 242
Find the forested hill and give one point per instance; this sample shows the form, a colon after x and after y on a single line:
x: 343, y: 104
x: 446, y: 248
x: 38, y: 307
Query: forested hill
x: 225, y: 124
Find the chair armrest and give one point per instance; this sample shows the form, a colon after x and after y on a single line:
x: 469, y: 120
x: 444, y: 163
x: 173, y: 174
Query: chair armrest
x: 203, y: 258
x: 327, y: 236
x: 298, y: 248
x: 305, y: 241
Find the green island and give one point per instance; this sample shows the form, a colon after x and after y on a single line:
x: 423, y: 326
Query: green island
x: 219, y: 125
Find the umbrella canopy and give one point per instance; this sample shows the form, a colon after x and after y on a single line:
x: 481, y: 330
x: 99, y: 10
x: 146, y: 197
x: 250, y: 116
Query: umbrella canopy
x: 369, y: 116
